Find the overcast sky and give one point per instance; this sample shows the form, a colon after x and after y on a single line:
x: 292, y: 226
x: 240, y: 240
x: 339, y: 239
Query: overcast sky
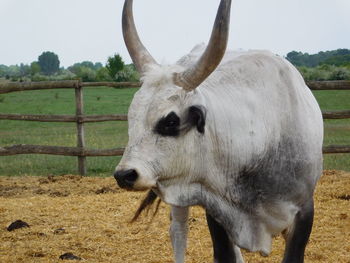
x: 79, y: 30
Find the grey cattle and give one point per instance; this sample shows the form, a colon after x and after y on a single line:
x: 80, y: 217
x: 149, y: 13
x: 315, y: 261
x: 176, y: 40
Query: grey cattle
x: 238, y: 133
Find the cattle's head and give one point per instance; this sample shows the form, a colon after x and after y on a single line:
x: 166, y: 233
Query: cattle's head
x: 167, y: 115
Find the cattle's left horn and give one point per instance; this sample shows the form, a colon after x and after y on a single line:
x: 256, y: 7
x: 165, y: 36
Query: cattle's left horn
x: 139, y: 54
x: 195, y: 75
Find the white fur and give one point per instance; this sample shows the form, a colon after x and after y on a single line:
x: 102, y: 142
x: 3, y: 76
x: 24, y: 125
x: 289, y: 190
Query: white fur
x: 253, y: 99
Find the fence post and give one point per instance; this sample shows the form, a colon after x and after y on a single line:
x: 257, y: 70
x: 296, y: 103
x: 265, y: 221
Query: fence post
x: 80, y: 128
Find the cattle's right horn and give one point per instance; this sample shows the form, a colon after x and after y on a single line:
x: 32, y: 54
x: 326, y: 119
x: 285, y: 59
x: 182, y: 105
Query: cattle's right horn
x: 192, y: 77
x: 139, y: 54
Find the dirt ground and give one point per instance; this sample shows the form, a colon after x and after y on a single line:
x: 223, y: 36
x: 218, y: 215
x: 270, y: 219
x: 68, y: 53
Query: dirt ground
x: 89, y: 218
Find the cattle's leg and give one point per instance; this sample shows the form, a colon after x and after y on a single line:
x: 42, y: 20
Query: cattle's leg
x: 178, y: 232
x: 298, y: 235
x: 224, y: 250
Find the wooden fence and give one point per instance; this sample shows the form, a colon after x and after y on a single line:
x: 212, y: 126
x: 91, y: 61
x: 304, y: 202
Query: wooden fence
x: 79, y: 118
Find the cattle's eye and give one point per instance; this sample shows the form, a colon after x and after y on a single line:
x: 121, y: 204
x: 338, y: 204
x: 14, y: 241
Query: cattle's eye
x: 169, y: 125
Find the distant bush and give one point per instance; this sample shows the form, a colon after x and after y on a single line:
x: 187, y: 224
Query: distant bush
x: 77, y: 67
x: 128, y: 73
x: 102, y: 74
x: 313, y: 73
x: 87, y: 74
x: 325, y: 72
x: 340, y: 74
x: 64, y: 75
x: 3, y: 71
x: 34, y: 68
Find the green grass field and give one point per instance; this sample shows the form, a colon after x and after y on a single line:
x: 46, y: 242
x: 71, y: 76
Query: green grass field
x: 109, y: 134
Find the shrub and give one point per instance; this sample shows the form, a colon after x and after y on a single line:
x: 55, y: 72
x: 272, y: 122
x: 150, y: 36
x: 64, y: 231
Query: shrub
x: 340, y: 74
x: 65, y: 75
x: 39, y: 77
x: 127, y: 74
x: 102, y: 74
x: 87, y: 74
x: 325, y: 72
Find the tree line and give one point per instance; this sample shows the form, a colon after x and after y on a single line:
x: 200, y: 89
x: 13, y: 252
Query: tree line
x: 47, y: 67
x: 328, y: 65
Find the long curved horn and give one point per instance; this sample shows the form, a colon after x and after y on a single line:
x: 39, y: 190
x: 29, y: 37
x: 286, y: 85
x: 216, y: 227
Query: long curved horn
x: 139, y: 54
x: 195, y: 75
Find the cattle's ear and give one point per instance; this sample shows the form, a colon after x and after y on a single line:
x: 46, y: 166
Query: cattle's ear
x: 196, y: 117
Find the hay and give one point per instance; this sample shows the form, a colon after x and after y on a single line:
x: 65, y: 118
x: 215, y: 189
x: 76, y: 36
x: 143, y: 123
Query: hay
x: 89, y: 218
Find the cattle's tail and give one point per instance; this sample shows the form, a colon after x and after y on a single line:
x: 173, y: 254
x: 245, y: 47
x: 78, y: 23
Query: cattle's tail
x: 147, y: 203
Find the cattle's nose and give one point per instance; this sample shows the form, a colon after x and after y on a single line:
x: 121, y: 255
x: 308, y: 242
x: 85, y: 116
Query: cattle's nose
x: 126, y: 178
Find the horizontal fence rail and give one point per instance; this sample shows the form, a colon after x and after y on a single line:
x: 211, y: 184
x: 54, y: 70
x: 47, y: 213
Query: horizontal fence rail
x: 329, y: 85
x: 58, y: 150
x: 331, y: 115
x: 79, y: 118
x: 24, y: 86
x: 112, y: 84
x: 84, y: 152
x: 65, y: 84
x: 336, y: 149
x: 64, y: 118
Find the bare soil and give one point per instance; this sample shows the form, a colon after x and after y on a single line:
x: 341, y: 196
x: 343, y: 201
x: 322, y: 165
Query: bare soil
x: 89, y: 217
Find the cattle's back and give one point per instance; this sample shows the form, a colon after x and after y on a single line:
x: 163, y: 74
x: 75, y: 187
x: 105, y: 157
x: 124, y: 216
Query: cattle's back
x: 257, y: 101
